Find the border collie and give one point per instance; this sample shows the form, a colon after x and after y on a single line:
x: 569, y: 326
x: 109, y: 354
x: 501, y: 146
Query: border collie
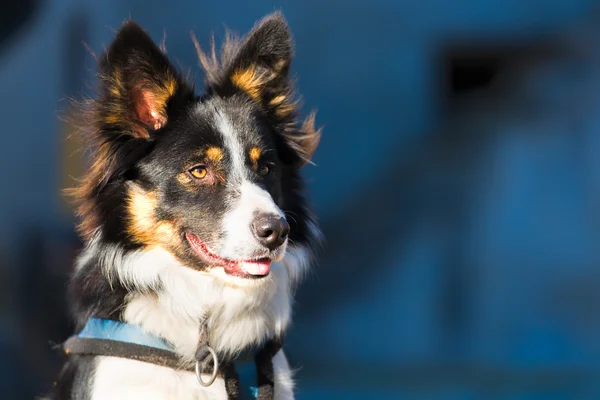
x: 193, y: 213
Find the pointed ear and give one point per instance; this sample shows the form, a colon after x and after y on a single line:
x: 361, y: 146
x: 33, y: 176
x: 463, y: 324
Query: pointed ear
x: 259, y: 66
x: 137, y: 82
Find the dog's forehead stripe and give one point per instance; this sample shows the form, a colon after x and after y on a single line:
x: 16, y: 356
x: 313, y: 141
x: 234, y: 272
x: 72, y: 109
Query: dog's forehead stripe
x: 233, y: 145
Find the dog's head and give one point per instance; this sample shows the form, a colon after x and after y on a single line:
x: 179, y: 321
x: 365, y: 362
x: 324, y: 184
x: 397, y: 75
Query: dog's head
x: 214, y: 180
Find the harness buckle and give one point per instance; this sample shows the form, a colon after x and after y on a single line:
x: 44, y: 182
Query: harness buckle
x: 213, y: 376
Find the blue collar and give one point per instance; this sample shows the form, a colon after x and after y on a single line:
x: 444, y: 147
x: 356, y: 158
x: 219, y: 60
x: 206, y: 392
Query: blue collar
x: 97, y: 328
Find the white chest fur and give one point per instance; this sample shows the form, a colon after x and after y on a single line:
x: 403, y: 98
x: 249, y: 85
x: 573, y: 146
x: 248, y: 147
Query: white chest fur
x: 239, y: 314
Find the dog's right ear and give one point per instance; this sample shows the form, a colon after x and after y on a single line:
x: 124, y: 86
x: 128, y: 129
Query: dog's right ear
x: 139, y: 93
x: 137, y: 85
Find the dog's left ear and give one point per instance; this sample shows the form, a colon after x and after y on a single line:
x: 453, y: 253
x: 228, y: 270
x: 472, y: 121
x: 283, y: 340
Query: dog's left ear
x: 259, y: 66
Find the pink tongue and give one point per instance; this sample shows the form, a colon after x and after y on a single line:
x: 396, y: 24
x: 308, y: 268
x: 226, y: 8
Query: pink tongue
x: 261, y: 267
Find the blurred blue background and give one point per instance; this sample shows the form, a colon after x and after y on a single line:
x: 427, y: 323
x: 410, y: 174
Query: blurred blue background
x: 457, y: 183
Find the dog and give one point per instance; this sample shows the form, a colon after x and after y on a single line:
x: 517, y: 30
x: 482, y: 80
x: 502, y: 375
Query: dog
x: 195, y: 221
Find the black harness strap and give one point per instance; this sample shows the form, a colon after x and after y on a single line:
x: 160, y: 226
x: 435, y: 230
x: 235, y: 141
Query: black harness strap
x: 112, y: 348
x: 264, y: 368
x: 232, y: 381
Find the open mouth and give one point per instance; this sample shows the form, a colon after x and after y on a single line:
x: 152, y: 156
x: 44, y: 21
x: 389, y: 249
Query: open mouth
x: 240, y: 268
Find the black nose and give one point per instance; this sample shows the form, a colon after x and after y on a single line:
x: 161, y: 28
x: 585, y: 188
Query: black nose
x: 270, y: 230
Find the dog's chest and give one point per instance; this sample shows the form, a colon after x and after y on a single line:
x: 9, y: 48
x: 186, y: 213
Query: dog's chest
x: 118, y: 378
x: 236, y: 319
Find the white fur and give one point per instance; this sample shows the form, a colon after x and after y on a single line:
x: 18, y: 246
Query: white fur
x: 122, y: 379
x: 239, y: 241
x: 284, y: 383
x: 236, y: 150
x: 297, y: 261
x: 241, y: 312
x: 90, y: 251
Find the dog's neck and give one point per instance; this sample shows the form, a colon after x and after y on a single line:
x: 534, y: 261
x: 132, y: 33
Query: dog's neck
x: 171, y: 300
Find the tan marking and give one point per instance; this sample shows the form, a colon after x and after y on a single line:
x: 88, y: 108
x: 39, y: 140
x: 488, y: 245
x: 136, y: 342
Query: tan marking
x: 255, y: 154
x: 112, y: 119
x: 142, y: 224
x: 280, y: 65
x: 214, y: 154
x: 166, y: 232
x: 285, y: 109
x: 141, y: 207
x: 117, y: 77
x: 250, y: 81
x: 283, y: 105
x: 275, y: 101
x: 308, y: 139
x: 116, y: 83
x: 184, y: 178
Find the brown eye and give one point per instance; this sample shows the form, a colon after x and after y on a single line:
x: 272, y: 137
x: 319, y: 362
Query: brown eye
x: 264, y: 170
x: 198, y: 172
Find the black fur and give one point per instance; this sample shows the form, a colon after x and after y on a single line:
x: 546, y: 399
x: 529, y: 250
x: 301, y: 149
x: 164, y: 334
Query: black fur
x: 264, y: 367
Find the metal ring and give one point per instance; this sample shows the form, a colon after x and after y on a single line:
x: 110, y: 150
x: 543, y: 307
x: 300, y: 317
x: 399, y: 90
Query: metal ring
x: 215, y: 369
